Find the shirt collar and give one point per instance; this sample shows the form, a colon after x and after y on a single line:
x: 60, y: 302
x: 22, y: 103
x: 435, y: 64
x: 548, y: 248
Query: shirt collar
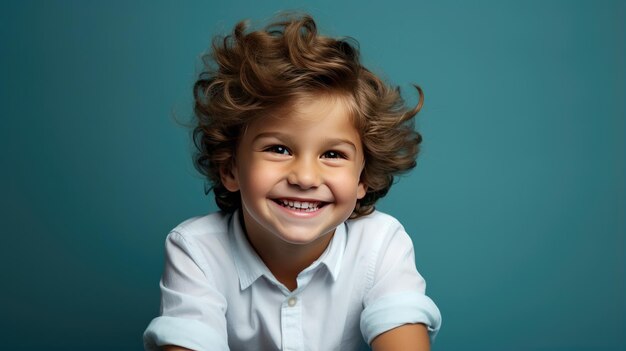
x: 250, y: 266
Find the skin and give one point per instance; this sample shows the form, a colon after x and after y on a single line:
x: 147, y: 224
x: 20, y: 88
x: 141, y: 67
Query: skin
x: 311, y: 153
x: 408, y: 337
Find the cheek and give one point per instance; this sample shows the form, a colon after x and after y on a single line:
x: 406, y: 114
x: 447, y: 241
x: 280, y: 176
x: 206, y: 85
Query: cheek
x: 346, y: 187
x: 257, y: 178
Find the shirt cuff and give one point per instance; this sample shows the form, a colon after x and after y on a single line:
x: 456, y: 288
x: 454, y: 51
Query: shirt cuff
x: 392, y: 311
x: 183, y: 332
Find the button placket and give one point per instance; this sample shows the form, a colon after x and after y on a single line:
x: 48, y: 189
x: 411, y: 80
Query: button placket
x: 292, y: 301
x: 291, y: 325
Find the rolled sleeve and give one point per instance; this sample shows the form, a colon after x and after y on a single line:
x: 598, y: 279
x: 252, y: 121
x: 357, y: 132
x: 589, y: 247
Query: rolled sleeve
x: 183, y: 332
x: 397, y: 290
x: 398, y: 309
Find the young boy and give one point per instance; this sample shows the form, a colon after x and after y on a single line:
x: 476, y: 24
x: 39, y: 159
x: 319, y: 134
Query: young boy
x: 298, y: 141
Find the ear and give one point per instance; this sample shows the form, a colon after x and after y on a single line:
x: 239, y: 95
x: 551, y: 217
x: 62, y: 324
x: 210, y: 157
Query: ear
x: 228, y: 175
x: 361, y: 190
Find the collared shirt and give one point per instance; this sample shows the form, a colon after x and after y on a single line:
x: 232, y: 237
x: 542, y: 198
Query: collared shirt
x: 217, y: 294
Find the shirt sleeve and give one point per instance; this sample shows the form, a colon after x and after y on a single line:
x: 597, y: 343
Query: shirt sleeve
x: 192, y: 309
x: 397, y: 293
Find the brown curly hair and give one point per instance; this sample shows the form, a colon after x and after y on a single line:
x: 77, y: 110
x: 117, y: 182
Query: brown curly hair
x: 249, y: 74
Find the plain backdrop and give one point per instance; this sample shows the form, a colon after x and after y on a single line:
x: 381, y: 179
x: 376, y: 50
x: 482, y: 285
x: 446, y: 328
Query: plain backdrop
x: 516, y: 208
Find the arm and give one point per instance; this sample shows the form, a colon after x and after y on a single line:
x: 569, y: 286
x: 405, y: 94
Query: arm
x: 407, y: 337
x: 174, y: 348
x: 192, y: 307
x: 397, y: 315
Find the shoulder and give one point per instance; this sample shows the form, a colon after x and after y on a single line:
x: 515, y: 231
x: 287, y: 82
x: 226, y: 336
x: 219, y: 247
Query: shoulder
x: 202, y: 243
x: 376, y: 218
x: 203, y: 237
x: 211, y: 224
x: 379, y: 236
x: 376, y: 234
x: 375, y: 227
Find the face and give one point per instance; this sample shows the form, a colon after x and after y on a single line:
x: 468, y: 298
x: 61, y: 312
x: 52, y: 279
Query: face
x: 298, y: 172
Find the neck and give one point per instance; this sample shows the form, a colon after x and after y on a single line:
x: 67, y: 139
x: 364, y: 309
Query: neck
x: 286, y: 260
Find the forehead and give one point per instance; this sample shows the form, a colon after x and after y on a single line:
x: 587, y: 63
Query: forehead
x: 302, y: 113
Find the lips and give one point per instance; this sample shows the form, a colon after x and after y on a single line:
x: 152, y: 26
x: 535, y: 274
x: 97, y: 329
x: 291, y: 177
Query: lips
x: 300, y: 205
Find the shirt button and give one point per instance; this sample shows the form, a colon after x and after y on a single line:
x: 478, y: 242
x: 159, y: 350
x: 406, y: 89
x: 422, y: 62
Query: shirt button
x: 292, y: 301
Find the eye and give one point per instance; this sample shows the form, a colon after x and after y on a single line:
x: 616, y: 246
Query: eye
x: 333, y: 154
x: 278, y: 149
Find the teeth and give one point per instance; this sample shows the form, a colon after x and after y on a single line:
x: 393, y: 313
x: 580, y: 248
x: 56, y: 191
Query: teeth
x: 301, y: 205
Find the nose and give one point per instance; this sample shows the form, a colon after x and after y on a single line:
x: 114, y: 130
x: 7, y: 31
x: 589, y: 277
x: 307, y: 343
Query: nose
x: 305, y: 174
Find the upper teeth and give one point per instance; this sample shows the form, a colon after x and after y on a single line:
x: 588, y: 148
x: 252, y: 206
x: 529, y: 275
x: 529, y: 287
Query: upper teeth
x: 300, y: 204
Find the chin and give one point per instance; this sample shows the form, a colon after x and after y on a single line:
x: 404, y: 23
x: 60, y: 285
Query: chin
x: 303, y: 238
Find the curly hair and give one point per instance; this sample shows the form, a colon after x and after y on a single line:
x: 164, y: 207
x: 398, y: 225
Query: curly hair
x: 250, y: 74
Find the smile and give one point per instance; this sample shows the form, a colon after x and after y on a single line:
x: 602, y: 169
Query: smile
x: 303, y: 206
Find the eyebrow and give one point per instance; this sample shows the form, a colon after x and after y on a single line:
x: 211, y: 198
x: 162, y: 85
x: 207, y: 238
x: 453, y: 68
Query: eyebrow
x: 289, y: 138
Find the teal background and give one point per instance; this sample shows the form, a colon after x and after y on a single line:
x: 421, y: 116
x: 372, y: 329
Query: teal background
x: 516, y: 207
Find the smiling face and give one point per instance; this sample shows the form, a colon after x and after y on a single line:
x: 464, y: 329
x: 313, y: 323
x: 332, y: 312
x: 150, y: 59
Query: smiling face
x: 298, y: 172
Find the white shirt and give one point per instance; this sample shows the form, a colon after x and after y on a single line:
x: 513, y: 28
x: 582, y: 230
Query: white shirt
x: 217, y: 294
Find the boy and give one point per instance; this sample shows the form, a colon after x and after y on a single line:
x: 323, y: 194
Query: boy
x: 298, y: 141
